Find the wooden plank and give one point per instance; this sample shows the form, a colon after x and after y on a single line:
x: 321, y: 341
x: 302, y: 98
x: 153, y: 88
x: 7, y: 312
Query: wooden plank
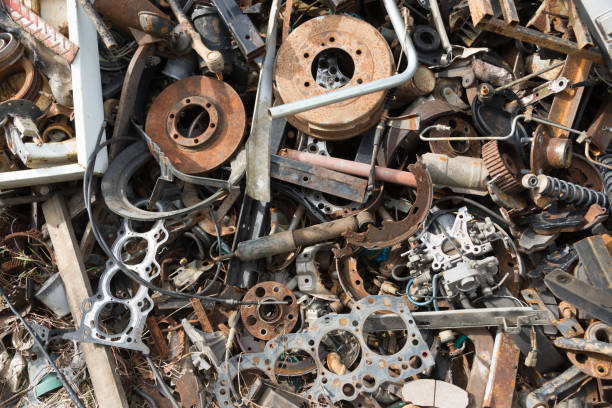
x: 100, y: 363
x: 509, y: 12
x: 531, y: 36
x: 480, y: 10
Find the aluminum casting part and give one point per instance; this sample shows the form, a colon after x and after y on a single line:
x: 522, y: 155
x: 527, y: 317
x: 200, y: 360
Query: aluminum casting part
x: 457, y: 126
x: 462, y: 174
x: 504, y: 167
x: 351, y: 92
x: 41, y: 30
x: 11, y: 50
x: 372, y: 371
x: 258, y: 144
x: 394, y: 232
x: 265, y: 321
x: 221, y: 137
x: 563, y: 382
x: 307, y: 271
x: 115, y: 185
x: 343, y: 51
x: 139, y: 305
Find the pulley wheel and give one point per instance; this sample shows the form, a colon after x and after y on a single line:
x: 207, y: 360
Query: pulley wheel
x: 198, y: 122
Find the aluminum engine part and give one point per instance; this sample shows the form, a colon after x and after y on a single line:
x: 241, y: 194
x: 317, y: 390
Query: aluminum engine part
x: 138, y: 306
x: 197, y: 122
x: 461, y: 173
x: 372, y: 371
x: 327, y: 53
x: 455, y: 246
x: 266, y: 321
x: 308, y: 270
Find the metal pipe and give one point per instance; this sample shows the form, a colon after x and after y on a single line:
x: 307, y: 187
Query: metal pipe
x: 437, y: 17
x: 527, y: 77
x: 405, y: 178
x: 527, y: 118
x: 258, y: 144
x: 107, y: 37
x: 342, y: 94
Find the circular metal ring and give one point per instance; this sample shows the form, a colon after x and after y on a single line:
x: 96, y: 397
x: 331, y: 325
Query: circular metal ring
x: 198, y: 102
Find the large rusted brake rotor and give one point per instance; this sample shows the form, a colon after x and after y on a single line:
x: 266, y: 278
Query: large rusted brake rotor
x: 198, y: 122
x: 327, y: 53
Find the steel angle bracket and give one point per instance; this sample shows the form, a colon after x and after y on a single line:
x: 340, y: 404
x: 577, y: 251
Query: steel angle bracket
x: 511, y: 319
x: 372, y: 370
x: 317, y: 178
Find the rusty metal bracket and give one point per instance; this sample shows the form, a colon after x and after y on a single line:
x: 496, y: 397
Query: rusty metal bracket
x: 394, y: 232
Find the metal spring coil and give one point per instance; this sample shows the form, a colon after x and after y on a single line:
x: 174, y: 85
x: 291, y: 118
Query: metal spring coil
x: 606, y: 175
x: 574, y: 194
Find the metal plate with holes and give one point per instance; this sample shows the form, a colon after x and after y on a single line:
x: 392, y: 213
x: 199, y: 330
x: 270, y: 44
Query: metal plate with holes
x: 137, y: 307
x: 372, y: 371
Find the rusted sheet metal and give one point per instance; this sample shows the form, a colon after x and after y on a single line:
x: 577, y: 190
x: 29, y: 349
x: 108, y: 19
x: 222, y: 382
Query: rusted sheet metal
x: 479, y: 373
x: 318, y: 178
x: 531, y: 36
x: 596, y: 260
x: 394, y: 232
x: 201, y: 313
x: 188, y: 386
x: 266, y: 321
x: 41, y: 30
x: 350, y: 167
x: 503, y: 373
x: 480, y: 10
x: 293, y: 76
x: 565, y: 104
x: 600, y: 131
x: 129, y: 93
x: 158, y: 337
x: 198, y: 123
x: 124, y: 13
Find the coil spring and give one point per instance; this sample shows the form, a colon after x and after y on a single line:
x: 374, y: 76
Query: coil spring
x: 606, y: 175
x: 573, y: 193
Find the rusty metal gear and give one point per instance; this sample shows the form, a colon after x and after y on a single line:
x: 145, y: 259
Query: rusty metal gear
x: 267, y: 320
x: 503, y: 166
x: 458, y: 128
x: 327, y: 53
x: 197, y: 122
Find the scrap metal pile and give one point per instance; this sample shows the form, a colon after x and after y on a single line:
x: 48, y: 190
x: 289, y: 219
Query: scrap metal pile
x: 315, y: 203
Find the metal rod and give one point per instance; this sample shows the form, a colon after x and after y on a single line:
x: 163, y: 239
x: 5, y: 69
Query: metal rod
x: 437, y: 17
x: 258, y: 145
x: 103, y: 31
x: 343, y: 94
x: 405, y: 178
x: 527, y: 77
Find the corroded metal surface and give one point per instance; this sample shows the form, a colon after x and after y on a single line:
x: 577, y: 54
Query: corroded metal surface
x: 394, y: 232
x: 458, y: 128
x: 41, y: 30
x: 210, y: 136
x: 267, y: 320
x: 124, y: 13
x: 357, y: 54
x: 503, y: 167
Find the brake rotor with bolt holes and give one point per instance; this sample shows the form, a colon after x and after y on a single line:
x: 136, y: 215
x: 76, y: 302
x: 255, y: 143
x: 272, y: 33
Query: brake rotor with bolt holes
x: 327, y: 53
x: 197, y: 122
x: 267, y: 320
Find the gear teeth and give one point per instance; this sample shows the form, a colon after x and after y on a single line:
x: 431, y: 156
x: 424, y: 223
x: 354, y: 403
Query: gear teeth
x: 497, y: 168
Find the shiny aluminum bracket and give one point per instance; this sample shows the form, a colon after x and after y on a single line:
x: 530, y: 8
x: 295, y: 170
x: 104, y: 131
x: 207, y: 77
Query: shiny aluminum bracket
x: 138, y: 306
x: 372, y: 371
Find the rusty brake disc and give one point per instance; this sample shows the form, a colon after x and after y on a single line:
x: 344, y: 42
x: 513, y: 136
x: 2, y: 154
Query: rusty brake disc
x: 198, y: 123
